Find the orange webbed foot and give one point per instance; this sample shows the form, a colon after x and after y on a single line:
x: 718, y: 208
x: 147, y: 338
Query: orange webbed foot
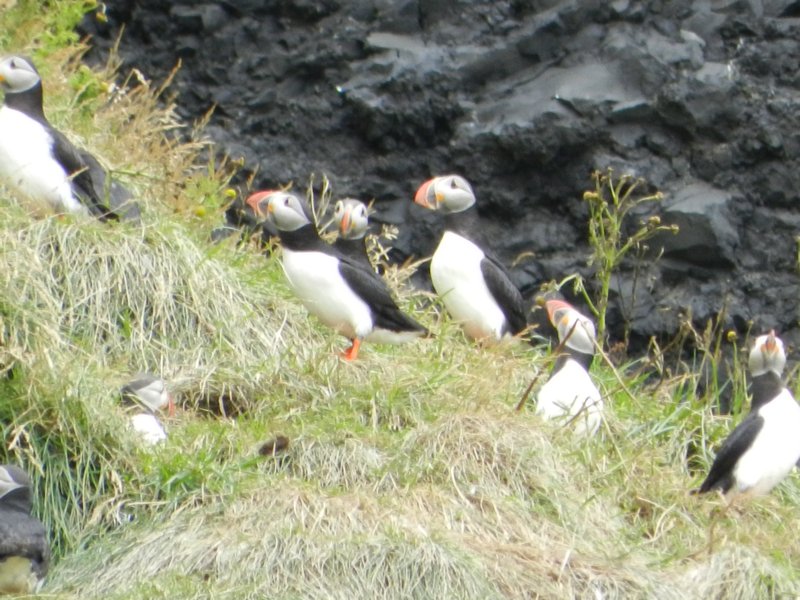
x: 352, y: 352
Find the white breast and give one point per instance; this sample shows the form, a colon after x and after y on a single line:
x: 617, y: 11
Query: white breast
x: 315, y: 280
x: 775, y: 450
x: 570, y: 392
x: 457, y: 278
x: 149, y: 428
x: 27, y: 164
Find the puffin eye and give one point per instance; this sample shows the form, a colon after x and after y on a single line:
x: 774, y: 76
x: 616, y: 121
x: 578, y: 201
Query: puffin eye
x: 286, y: 201
x: 13, y: 64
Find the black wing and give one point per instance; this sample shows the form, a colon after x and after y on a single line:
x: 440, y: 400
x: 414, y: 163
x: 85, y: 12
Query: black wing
x: 25, y: 536
x: 104, y: 198
x: 505, y: 293
x: 740, y: 439
x: 373, y: 290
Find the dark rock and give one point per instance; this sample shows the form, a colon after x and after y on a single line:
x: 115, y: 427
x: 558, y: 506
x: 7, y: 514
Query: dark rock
x: 706, y: 235
x: 525, y: 99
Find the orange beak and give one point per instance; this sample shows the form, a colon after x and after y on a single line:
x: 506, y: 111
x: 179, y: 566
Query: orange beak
x: 254, y: 201
x: 344, y: 224
x: 556, y: 306
x: 170, y: 405
x: 770, y: 346
x: 421, y: 197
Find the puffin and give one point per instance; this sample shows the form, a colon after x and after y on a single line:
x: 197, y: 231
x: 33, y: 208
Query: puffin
x: 41, y: 163
x: 352, y: 221
x: 345, y: 296
x: 144, y: 396
x: 474, y: 286
x: 570, y: 394
x: 765, y: 446
x: 24, y: 549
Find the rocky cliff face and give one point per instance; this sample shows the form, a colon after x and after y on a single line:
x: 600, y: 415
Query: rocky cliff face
x: 526, y: 99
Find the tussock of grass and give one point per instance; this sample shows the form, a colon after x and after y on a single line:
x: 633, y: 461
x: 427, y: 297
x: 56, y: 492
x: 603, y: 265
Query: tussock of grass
x: 84, y: 306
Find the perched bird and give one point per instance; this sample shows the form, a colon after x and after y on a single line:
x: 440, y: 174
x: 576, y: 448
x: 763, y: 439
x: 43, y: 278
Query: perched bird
x: 764, y: 447
x: 570, y: 394
x: 476, y: 289
x: 24, y: 550
x: 343, y: 295
x: 144, y: 396
x: 41, y: 163
x: 352, y: 221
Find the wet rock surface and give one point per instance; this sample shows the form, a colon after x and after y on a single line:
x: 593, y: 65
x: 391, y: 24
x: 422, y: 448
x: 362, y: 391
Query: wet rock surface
x: 526, y: 99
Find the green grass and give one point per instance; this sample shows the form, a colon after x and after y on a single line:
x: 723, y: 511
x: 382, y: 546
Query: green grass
x: 409, y: 473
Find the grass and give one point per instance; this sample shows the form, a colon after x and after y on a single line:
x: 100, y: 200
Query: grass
x: 409, y: 474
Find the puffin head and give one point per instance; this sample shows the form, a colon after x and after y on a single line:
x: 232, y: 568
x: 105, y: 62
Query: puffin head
x: 151, y: 392
x: 351, y: 218
x: 448, y: 193
x: 257, y: 201
x: 767, y: 354
x: 286, y: 211
x: 569, y: 322
x: 17, y: 74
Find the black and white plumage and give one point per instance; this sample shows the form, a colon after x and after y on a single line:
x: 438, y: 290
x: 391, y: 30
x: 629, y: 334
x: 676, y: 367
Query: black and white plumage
x: 339, y: 292
x: 475, y: 287
x: 352, y: 221
x: 144, y: 397
x: 764, y: 447
x: 24, y: 549
x: 41, y: 163
x: 570, y: 394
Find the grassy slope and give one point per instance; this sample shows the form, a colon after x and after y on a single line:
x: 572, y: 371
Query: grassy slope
x: 409, y: 473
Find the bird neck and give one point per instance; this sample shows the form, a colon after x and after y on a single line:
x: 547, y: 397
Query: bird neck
x: 29, y: 102
x: 351, y: 246
x: 583, y: 359
x: 764, y: 388
x: 303, y: 238
x: 465, y: 223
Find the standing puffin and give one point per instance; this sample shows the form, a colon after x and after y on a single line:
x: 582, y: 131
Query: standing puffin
x: 24, y: 550
x: 351, y: 218
x: 764, y: 447
x: 570, y: 394
x: 343, y: 295
x: 476, y: 289
x: 145, y: 395
x: 41, y: 163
